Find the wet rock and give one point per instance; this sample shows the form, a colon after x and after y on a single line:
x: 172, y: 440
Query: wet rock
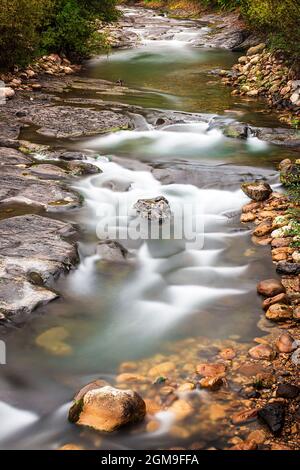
x: 107, y: 409
x: 279, y: 312
x: 287, y: 391
x: 285, y: 343
x: 258, y: 191
x: 258, y: 436
x: 45, y: 194
x: 296, y: 313
x: 72, y: 447
x: 284, y: 267
x: 256, y: 49
x: 162, y: 369
x: 262, y: 351
x: 277, y: 299
x: 270, y: 287
x: 53, y: 341
x: 273, y: 414
x: 156, y: 209
x: 112, y: 251
x: 212, y: 383
x: 211, y: 370
x: 29, y: 244
x: 82, y: 169
x: 247, y: 445
x: 264, y: 228
x: 48, y: 171
x: 10, y: 156
x: 227, y: 354
x: 244, y: 416
x: 67, y: 121
x: 181, y: 409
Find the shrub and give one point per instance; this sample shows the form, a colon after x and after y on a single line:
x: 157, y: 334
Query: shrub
x: 20, y: 21
x: 29, y: 27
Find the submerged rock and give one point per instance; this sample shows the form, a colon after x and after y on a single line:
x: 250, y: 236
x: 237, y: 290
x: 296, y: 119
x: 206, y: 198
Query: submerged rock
x: 112, y: 251
x: 156, y: 209
x: 258, y: 191
x: 107, y: 409
x: 273, y: 415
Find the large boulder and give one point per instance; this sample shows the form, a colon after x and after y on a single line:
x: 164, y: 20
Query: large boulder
x: 257, y: 190
x: 107, y: 408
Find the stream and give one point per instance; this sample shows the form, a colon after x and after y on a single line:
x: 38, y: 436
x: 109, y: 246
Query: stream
x: 171, y: 289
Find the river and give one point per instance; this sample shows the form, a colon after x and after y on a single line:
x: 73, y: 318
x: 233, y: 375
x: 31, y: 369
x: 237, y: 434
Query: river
x: 172, y: 290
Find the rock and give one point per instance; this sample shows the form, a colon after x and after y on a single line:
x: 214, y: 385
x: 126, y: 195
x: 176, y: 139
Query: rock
x: 264, y: 228
x: 258, y: 191
x: 296, y: 257
x: 107, y: 409
x: 287, y: 391
x: 211, y: 370
x: 73, y: 447
x: 53, y: 341
x: 67, y: 121
x: 6, y: 93
x: 262, y: 351
x: 257, y: 436
x: 248, y: 217
x: 212, y: 383
x: 49, y: 195
x: 279, y: 312
x: 181, y: 409
x: 82, y: 169
x: 244, y: 416
x: 48, y: 171
x: 186, y: 387
x: 256, y: 49
x: 285, y: 343
x: 32, y: 244
x: 112, y: 251
x: 162, y: 369
x: 270, y: 287
x: 273, y: 414
x: 277, y: 299
x: 281, y: 242
x: 227, y: 354
x: 296, y: 313
x: 156, y: 209
x: 10, y: 156
x: 284, y: 267
x: 248, y: 445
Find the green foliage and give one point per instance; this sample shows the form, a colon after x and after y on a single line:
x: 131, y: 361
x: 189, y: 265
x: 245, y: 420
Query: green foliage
x: 20, y: 21
x: 281, y: 19
x: 29, y: 27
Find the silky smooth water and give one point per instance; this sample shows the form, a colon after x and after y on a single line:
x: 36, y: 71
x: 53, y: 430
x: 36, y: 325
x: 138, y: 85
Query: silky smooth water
x: 171, y: 289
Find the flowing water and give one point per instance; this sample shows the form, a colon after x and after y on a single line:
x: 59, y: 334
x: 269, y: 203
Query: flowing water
x: 172, y: 289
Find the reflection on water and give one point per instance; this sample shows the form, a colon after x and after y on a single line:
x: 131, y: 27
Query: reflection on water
x: 168, y: 290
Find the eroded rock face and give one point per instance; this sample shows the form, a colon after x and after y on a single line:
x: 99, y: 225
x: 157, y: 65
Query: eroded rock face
x: 32, y: 247
x: 258, y: 191
x: 107, y: 409
x: 67, y: 121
